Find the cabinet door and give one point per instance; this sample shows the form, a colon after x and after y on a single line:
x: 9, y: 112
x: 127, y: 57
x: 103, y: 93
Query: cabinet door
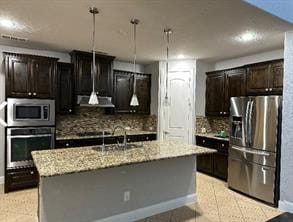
x: 122, y: 92
x: 84, y: 76
x: 143, y: 91
x: 258, y: 79
x: 104, y: 81
x: 220, y: 165
x: 43, y: 74
x: 64, y: 100
x: 214, y: 94
x: 205, y: 163
x: 277, y: 70
x: 234, y: 86
x: 18, y: 79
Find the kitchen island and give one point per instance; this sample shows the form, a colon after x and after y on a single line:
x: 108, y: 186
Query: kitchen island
x: 116, y: 185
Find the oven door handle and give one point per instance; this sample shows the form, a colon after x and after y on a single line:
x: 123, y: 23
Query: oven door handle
x: 30, y: 136
x: 2, y: 106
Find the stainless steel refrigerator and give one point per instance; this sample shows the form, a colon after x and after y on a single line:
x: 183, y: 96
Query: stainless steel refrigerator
x: 254, y: 146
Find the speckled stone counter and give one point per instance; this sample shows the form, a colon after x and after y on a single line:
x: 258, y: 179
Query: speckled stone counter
x: 117, y: 133
x: 73, y: 160
x: 212, y: 135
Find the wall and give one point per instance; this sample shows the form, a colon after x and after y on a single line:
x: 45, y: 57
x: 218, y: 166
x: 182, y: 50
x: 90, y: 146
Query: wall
x: 260, y: 57
x: 126, y: 66
x: 286, y: 183
x: 201, y: 68
x: 63, y: 57
x: 154, y: 70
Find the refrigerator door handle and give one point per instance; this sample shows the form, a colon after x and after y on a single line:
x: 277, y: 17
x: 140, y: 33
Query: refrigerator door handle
x: 244, y: 150
x: 246, y: 121
x: 250, y: 123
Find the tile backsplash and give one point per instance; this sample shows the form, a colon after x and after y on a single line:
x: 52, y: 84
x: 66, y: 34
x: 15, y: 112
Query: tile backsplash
x: 212, y: 124
x: 92, y: 119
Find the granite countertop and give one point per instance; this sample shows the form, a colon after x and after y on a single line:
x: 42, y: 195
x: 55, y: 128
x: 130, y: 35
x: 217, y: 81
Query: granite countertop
x: 117, y: 133
x: 74, y: 160
x: 211, y: 135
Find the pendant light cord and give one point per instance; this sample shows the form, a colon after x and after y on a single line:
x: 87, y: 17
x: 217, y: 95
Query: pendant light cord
x: 134, y: 59
x: 94, y: 68
x: 168, y: 32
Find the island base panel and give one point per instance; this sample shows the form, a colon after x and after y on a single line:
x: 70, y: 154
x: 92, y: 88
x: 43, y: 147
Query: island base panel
x: 154, y: 187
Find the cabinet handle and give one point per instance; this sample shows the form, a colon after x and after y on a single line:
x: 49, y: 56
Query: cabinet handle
x: 223, y: 145
x: 70, y: 110
x: 203, y: 141
x: 224, y: 113
x: 128, y: 140
x: 67, y: 144
x: 147, y: 138
x: 29, y: 93
x: 271, y: 89
x: 32, y: 172
x: 34, y: 94
x: 267, y: 89
x: 221, y: 113
x: 134, y: 111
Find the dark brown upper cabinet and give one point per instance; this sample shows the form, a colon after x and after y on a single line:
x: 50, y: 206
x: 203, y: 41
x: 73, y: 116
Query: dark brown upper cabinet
x: 123, y: 89
x: 220, y: 87
x: 215, y: 93
x: 235, y: 86
x: 265, y: 78
x: 82, y: 62
x: 30, y: 76
x: 65, y: 88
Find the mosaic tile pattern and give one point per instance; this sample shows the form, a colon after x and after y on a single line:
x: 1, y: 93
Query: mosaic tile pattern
x: 212, y: 124
x: 216, y: 203
x: 93, y: 119
x: 73, y: 160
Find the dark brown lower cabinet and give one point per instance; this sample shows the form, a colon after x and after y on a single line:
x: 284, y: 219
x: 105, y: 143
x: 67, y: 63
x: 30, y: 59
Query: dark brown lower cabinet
x: 205, y: 163
x: 215, y: 164
x: 22, y: 178
x: 220, y: 165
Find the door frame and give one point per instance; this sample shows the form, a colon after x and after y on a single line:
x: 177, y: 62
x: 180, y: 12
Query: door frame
x: 175, y: 66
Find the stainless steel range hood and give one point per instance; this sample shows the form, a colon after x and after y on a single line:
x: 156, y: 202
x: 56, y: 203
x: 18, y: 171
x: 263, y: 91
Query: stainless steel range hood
x: 104, y: 101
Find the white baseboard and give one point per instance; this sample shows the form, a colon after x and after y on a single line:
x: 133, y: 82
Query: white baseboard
x: 286, y: 206
x: 2, y: 180
x: 151, y: 210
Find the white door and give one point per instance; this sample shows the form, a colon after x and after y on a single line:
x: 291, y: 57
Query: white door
x: 178, y: 110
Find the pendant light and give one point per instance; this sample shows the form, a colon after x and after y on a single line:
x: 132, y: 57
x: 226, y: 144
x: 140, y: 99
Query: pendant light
x: 94, y: 98
x: 167, y: 32
x: 134, y: 100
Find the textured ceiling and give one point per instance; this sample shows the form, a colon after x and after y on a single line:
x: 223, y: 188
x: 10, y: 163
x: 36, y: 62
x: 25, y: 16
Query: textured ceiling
x: 203, y: 29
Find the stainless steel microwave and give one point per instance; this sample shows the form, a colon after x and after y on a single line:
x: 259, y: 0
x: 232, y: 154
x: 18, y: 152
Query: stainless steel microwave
x: 30, y: 112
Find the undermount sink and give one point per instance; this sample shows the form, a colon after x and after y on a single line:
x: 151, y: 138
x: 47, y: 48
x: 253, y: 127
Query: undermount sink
x: 119, y: 147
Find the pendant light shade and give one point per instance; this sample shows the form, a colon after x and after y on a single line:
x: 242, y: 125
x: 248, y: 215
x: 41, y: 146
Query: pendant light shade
x: 167, y: 31
x: 94, y: 98
x: 134, y: 99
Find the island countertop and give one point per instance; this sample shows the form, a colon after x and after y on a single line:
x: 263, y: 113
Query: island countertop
x: 73, y: 160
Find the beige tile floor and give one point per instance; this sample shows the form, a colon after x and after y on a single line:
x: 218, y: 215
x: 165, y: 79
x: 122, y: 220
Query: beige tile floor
x: 215, y: 203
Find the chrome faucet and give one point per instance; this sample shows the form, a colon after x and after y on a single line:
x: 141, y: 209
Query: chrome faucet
x: 125, y: 134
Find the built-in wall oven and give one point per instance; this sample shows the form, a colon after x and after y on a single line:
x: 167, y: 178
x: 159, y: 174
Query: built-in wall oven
x: 30, y: 112
x: 21, y: 141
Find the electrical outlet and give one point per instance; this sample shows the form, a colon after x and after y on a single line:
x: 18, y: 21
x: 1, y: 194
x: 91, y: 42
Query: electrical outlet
x: 126, y: 196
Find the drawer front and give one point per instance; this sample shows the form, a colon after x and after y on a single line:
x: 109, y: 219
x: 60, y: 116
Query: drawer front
x: 206, y: 142
x: 16, y: 180
x: 223, y: 146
